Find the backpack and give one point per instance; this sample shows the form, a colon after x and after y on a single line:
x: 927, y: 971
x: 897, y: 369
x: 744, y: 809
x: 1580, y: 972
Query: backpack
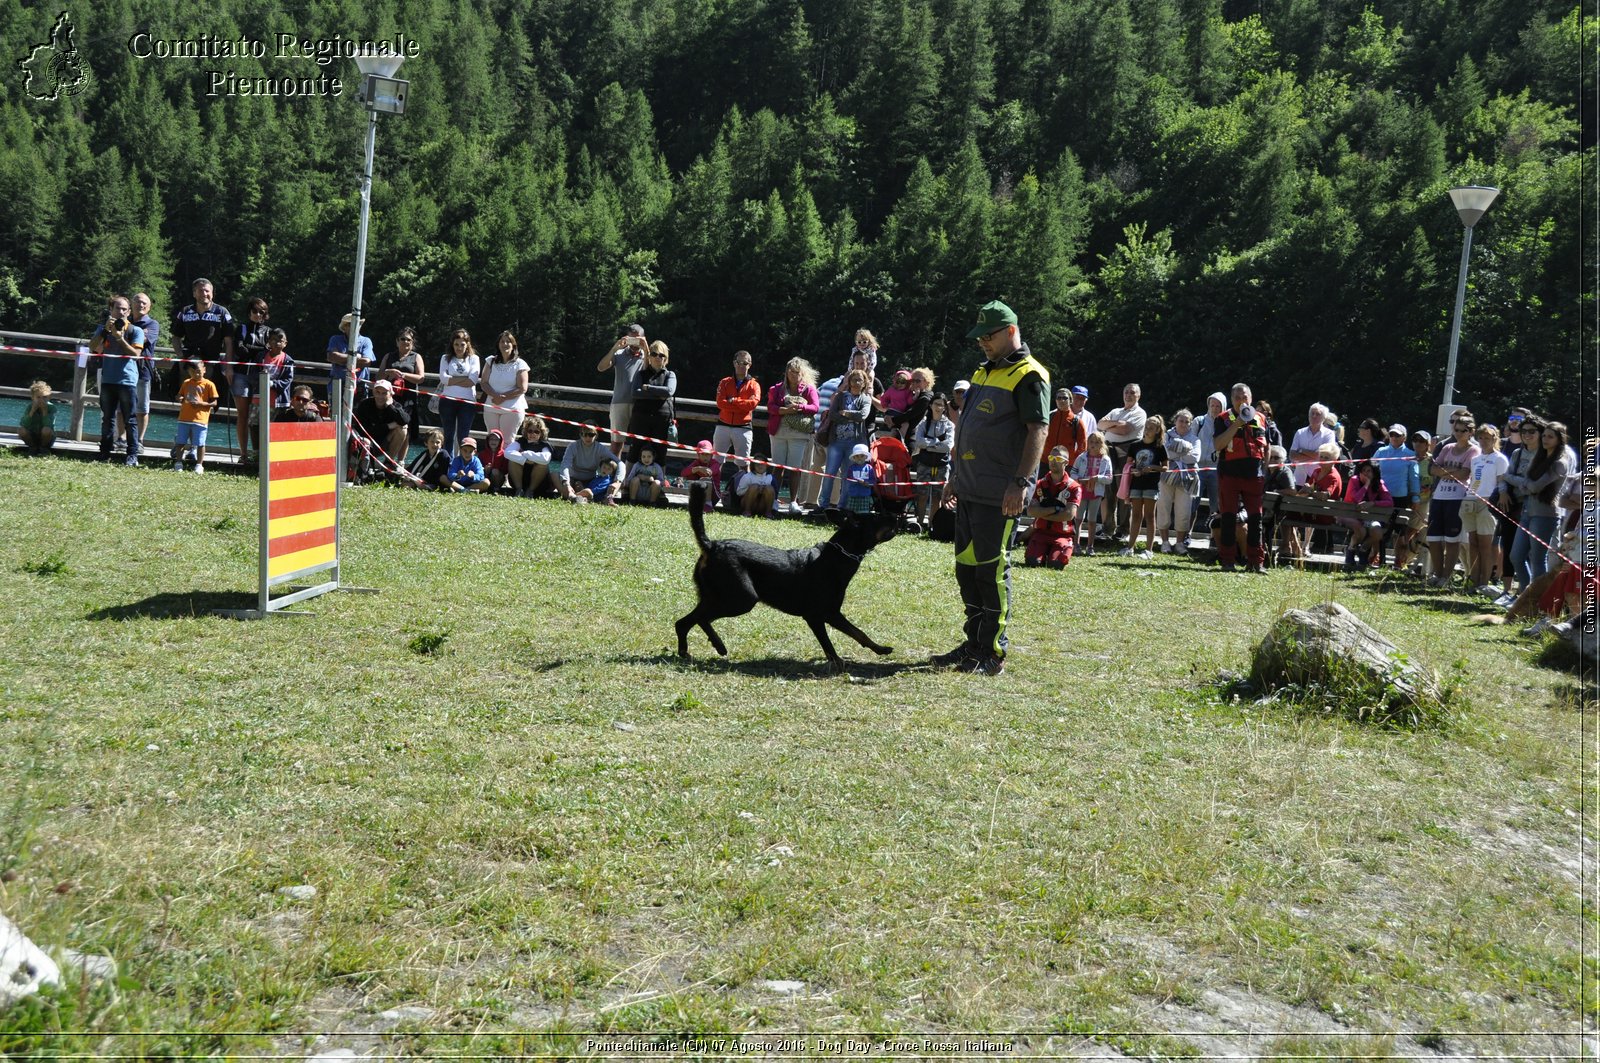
x: 892, y: 461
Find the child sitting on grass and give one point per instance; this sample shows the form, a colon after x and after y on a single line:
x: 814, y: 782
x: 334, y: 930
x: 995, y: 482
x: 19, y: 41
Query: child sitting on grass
x: 38, y: 429
x: 431, y: 466
x: 466, y: 471
x: 754, y: 488
x: 647, y: 481
x: 605, y: 474
x: 703, y: 470
x: 198, y: 397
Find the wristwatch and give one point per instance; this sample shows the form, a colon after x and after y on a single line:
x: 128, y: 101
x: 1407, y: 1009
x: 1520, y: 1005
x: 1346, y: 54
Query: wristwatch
x: 1024, y: 481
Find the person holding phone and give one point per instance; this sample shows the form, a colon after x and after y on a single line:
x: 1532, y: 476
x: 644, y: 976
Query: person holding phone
x: 624, y: 359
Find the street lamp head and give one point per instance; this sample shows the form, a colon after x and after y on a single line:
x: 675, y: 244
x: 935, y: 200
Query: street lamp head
x: 383, y: 65
x: 1472, y: 202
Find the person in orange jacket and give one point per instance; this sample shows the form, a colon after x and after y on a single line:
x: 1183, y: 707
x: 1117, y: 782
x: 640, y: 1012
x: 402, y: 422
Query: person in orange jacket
x: 737, y: 398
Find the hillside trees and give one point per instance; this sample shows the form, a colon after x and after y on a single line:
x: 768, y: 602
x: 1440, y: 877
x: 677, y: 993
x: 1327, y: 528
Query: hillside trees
x: 1184, y: 192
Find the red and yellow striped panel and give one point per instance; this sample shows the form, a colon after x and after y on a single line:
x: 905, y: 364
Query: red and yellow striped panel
x: 301, y: 513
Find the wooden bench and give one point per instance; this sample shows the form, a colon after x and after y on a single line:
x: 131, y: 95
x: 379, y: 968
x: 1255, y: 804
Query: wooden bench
x: 1280, y: 510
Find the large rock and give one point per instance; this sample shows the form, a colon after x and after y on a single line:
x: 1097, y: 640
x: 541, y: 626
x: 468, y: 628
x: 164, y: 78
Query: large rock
x: 23, y: 967
x: 1330, y: 648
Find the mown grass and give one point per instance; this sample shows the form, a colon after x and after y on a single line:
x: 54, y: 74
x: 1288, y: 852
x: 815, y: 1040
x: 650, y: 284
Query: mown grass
x: 521, y: 811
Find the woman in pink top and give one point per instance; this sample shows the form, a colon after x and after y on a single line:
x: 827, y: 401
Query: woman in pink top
x: 1366, y: 532
x: 792, y: 405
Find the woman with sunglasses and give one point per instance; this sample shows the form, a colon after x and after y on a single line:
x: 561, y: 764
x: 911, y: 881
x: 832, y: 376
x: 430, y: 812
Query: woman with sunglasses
x: 249, y: 345
x: 1452, y: 468
x: 1522, y: 441
x: 529, y: 457
x: 459, y: 372
x: 1550, y: 468
x: 403, y: 369
x: 652, y: 403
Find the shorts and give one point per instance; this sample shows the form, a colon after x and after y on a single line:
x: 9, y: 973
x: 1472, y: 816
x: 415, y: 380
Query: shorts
x: 1444, y: 521
x: 141, y: 395
x: 1479, y: 519
x: 190, y: 434
x: 1140, y: 492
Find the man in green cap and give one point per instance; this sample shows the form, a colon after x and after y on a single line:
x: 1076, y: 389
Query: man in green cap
x: 999, y: 441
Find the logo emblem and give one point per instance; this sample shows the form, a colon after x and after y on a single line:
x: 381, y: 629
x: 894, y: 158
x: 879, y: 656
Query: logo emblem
x: 55, y: 69
x: 986, y: 406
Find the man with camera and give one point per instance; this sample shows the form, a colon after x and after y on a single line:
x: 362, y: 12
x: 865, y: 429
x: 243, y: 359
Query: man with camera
x: 120, y: 344
x: 624, y: 359
x: 1240, y: 440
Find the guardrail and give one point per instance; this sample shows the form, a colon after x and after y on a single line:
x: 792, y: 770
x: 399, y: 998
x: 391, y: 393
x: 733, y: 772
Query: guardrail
x: 543, y: 397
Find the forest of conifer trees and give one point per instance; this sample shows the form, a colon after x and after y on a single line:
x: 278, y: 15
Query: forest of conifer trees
x: 1179, y: 192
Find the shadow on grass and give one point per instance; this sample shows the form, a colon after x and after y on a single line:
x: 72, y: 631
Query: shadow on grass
x: 1440, y: 604
x: 174, y: 605
x: 773, y: 667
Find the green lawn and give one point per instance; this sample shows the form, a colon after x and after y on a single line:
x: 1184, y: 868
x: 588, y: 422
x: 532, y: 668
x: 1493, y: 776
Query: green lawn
x: 551, y: 823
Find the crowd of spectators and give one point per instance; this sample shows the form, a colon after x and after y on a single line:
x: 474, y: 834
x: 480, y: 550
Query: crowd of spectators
x: 1503, y: 504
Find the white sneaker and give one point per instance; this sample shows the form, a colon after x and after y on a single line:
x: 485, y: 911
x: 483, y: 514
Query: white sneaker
x: 1538, y: 627
x: 1505, y: 601
x: 199, y: 468
x: 1143, y: 555
x: 1126, y: 551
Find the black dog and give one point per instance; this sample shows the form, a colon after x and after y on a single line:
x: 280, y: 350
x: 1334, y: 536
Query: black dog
x: 732, y: 575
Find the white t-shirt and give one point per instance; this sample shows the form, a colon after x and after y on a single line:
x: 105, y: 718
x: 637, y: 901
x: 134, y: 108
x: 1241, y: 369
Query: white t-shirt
x: 1452, y: 456
x: 751, y: 479
x: 1123, y: 425
x: 502, y: 377
x: 1310, y: 441
x: 450, y: 366
x: 1486, y: 472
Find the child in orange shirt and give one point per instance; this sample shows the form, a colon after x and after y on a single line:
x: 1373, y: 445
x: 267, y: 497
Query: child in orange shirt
x: 198, y: 397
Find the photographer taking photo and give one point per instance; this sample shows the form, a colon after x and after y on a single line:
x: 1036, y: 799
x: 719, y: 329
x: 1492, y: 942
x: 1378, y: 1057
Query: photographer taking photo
x: 120, y: 344
x: 624, y: 359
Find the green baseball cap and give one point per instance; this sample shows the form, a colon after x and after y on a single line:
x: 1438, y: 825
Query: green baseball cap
x: 990, y: 317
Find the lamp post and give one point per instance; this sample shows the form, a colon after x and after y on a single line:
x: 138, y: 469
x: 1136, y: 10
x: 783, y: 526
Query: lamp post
x: 1472, y: 202
x: 381, y: 91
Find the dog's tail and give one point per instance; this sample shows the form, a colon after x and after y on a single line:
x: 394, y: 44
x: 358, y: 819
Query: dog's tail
x: 697, y: 513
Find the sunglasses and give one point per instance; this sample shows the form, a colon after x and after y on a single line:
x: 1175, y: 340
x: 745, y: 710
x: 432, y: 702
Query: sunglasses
x: 588, y: 435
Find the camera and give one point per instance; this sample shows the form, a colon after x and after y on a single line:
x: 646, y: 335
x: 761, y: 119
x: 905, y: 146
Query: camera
x: 115, y: 324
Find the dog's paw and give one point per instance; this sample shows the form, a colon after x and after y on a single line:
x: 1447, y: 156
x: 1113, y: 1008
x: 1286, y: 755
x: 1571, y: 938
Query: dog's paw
x: 883, y: 651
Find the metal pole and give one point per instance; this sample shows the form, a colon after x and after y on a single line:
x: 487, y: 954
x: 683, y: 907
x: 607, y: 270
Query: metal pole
x: 264, y: 456
x: 354, y: 339
x: 1455, y: 322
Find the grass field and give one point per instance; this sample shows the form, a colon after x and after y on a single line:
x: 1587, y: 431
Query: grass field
x: 521, y: 812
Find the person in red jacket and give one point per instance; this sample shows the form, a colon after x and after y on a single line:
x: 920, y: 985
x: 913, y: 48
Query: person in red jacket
x: 737, y: 398
x: 1054, y: 509
x: 1240, y: 440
